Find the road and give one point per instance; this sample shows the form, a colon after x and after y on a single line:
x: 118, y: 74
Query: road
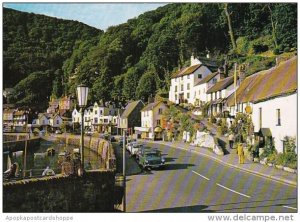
x: 193, y: 183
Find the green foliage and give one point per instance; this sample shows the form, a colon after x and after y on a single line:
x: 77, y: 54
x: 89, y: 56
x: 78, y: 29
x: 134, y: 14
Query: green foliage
x: 146, y: 86
x: 116, y: 63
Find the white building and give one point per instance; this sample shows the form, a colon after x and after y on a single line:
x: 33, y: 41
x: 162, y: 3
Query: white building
x: 97, y: 117
x: 200, y: 89
x: 152, y: 120
x: 271, y: 99
x: 183, y: 81
x: 218, y: 93
x: 55, y: 121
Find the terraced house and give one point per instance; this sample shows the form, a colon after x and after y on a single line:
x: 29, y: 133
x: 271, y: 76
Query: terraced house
x: 184, y: 80
x: 270, y: 97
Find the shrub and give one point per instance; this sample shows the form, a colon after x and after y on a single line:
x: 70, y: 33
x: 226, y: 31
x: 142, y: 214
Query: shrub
x: 276, y: 51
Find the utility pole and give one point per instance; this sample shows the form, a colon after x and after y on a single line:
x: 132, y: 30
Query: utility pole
x: 124, y: 173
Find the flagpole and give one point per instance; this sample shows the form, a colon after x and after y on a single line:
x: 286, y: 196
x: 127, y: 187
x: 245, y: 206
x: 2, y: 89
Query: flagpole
x: 235, y: 78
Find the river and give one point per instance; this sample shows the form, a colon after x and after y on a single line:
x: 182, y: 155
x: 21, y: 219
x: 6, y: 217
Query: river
x: 37, y: 159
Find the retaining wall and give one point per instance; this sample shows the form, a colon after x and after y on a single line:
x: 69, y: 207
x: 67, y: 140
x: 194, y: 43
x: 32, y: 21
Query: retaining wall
x: 94, y: 192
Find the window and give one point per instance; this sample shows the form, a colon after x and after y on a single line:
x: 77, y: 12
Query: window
x: 158, y: 122
x: 188, y: 86
x: 188, y: 95
x: 57, y: 121
x: 199, y: 76
x: 160, y: 111
x: 214, y: 81
x: 175, y: 97
x: 278, y: 117
x: 181, y: 77
x: 95, y: 111
x: 106, y: 120
x: 95, y: 120
x: 181, y: 87
x: 220, y: 94
x: 175, y: 88
x: 188, y: 76
x: 260, y: 117
x: 215, y: 95
x: 101, y: 112
x: 199, y: 92
x: 85, y: 119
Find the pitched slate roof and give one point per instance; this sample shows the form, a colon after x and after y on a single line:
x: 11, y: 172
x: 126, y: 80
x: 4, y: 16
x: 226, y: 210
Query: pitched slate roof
x: 150, y: 106
x: 207, y: 78
x: 222, y: 84
x: 186, y: 71
x: 268, y: 84
x: 129, y: 108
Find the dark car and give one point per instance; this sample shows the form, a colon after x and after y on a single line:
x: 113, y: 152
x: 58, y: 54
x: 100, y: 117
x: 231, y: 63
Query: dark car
x: 151, y: 158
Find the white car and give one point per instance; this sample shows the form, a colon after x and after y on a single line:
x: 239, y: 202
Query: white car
x: 135, y: 148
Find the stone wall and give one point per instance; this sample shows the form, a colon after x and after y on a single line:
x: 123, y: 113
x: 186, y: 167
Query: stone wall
x: 94, y: 192
x: 102, y: 147
x: 19, y: 145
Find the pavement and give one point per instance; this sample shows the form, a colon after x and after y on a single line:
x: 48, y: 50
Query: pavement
x: 231, y: 160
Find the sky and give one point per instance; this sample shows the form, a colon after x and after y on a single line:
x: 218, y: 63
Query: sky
x: 99, y: 15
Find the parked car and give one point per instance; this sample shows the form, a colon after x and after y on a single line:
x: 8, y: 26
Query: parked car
x: 89, y: 133
x: 135, y: 148
x: 151, y: 158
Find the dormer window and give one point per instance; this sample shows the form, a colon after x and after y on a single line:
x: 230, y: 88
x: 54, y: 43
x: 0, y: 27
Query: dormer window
x: 199, y: 76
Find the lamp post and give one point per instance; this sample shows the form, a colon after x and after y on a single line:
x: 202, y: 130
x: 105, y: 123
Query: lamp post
x: 124, y: 171
x: 82, y: 93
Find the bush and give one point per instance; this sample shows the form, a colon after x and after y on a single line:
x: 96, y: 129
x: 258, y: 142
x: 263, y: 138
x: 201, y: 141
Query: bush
x: 260, y: 48
x: 276, y: 51
x: 286, y: 49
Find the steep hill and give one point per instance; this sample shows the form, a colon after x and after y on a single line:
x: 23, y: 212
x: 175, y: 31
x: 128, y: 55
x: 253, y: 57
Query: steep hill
x: 34, y: 49
x: 135, y: 59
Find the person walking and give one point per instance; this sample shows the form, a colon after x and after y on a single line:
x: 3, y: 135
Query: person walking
x: 231, y: 139
x: 240, y: 153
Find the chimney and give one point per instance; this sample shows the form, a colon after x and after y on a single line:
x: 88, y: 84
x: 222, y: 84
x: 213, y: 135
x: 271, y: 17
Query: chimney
x: 222, y: 73
x: 194, y: 60
x: 208, y: 55
x: 242, y: 74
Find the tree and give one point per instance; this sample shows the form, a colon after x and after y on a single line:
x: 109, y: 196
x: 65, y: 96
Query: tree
x: 231, y: 33
x: 146, y: 86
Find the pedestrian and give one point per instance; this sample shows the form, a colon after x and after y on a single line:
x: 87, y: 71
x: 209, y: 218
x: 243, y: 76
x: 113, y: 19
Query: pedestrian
x: 231, y: 139
x: 240, y: 153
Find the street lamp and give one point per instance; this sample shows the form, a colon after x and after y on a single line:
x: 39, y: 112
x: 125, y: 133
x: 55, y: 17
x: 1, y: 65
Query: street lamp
x: 82, y: 93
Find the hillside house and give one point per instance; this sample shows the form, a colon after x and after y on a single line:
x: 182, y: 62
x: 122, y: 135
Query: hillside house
x: 200, y: 89
x: 131, y: 116
x: 270, y: 97
x: 152, y: 121
x: 184, y: 80
x: 218, y: 93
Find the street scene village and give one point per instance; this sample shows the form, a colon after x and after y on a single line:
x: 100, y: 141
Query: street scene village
x: 186, y: 108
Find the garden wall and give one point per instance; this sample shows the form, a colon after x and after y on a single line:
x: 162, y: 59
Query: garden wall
x: 94, y: 192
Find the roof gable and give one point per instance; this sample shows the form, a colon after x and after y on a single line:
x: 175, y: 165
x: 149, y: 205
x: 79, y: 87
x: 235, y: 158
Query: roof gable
x: 151, y: 106
x: 207, y: 78
x: 186, y: 71
x: 130, y: 107
x: 268, y: 83
x: 222, y: 84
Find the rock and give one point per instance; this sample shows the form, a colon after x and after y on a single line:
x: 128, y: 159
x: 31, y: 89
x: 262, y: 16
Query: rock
x: 262, y: 162
x: 218, y: 150
x: 204, y: 140
x: 256, y: 160
x: 279, y: 167
x: 287, y: 169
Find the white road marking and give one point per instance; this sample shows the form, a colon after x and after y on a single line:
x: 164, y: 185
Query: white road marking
x: 233, y: 190
x: 200, y: 175
x: 290, y: 207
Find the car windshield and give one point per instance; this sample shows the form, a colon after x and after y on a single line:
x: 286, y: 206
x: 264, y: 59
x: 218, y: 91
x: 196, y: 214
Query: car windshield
x: 154, y: 154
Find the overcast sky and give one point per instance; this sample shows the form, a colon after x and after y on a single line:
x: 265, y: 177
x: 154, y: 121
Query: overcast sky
x: 99, y: 15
